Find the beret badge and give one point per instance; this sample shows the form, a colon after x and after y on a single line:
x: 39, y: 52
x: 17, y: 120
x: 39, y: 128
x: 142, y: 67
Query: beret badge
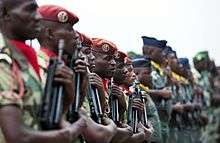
x: 62, y: 16
x: 105, y: 47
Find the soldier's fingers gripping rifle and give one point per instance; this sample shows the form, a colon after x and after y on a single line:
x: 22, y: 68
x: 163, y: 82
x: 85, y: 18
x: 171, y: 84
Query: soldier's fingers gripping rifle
x: 95, y: 106
x: 114, y: 105
x: 52, y: 105
x: 72, y: 114
x: 134, y: 118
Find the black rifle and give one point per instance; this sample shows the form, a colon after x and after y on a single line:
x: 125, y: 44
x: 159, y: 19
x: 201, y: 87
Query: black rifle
x: 52, y: 101
x: 114, y: 105
x: 95, y: 106
x: 72, y: 114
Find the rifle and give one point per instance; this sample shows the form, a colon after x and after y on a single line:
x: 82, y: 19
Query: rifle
x: 52, y: 106
x: 95, y: 106
x: 114, y: 105
x: 135, y: 118
x: 72, y: 114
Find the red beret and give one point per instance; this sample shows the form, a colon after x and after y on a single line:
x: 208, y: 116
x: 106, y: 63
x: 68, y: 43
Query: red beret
x: 57, y: 14
x: 120, y: 57
x: 103, y: 46
x: 85, y: 40
x: 128, y: 61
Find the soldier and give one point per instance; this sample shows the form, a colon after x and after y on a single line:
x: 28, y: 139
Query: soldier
x: 162, y: 93
x: 104, y: 52
x: 104, y: 131
x: 121, y: 77
x: 201, y: 64
x: 20, y: 86
x: 142, y: 68
x: 56, y: 27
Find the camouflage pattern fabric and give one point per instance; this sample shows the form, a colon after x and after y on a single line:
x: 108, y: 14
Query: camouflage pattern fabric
x: 20, y: 86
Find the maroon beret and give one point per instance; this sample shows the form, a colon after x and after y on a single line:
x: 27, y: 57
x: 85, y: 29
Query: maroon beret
x: 104, y: 46
x: 120, y: 57
x: 57, y: 14
x: 85, y: 40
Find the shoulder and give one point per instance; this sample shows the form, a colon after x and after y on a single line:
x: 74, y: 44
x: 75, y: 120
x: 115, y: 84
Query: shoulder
x: 9, y: 86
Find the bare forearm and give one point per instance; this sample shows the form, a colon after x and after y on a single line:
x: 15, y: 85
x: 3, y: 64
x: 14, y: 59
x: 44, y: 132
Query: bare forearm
x: 161, y: 93
x: 14, y: 131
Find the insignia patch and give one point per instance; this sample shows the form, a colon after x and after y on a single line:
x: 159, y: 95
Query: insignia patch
x: 105, y: 47
x: 62, y: 16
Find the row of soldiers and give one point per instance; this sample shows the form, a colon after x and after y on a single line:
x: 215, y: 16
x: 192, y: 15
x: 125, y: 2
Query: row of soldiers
x: 81, y: 89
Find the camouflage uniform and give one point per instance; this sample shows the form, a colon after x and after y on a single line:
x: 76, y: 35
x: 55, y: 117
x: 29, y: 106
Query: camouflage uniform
x: 19, y: 85
x: 159, y: 80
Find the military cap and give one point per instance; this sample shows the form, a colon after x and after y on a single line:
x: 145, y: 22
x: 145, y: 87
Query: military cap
x: 120, y: 57
x: 85, y: 40
x: 151, y: 41
x: 168, y: 50
x: 104, y: 46
x: 201, y: 56
x: 57, y: 14
x: 128, y: 61
x: 143, y: 61
x: 184, y: 62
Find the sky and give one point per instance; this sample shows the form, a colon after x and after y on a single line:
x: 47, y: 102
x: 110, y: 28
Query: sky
x: 189, y: 26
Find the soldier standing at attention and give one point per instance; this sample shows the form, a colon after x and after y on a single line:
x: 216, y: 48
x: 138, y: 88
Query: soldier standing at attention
x: 20, y: 82
x: 142, y: 68
x: 161, y: 94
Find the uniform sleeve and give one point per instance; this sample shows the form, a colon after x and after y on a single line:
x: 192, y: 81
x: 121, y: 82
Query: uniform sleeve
x: 9, y: 89
x: 153, y: 118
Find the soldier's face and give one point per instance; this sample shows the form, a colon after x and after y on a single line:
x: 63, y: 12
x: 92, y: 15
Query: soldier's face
x: 201, y: 65
x: 144, y: 75
x: 105, y: 65
x: 157, y: 53
x: 91, y: 58
x: 172, y: 60
x: 121, y: 73
x: 66, y: 32
x: 24, y: 20
x: 131, y: 76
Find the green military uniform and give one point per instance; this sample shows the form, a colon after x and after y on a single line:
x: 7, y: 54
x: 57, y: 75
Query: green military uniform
x: 19, y: 85
x: 159, y: 80
x: 203, y: 81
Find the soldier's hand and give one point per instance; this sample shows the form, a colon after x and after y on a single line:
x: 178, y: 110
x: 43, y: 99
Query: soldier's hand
x: 117, y: 92
x: 179, y: 108
x: 137, y: 104
x: 77, y: 128
x: 64, y: 75
x: 188, y: 107
x: 96, y: 81
x: 148, y: 131
x: 81, y: 66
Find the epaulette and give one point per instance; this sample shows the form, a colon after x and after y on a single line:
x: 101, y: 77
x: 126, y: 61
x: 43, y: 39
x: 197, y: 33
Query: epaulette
x: 143, y: 87
x: 176, y: 76
x: 5, y: 53
x: 184, y: 80
x: 157, y: 66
